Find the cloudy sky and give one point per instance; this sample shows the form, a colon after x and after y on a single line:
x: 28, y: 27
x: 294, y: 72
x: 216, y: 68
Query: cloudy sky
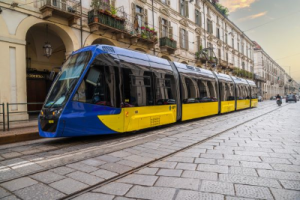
x: 274, y: 24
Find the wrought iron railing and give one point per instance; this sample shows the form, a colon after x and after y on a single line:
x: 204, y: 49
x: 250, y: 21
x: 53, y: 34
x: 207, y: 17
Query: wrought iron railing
x: 165, y: 41
x: 8, y: 120
x: 117, y: 18
x: 2, y: 115
x: 63, y: 5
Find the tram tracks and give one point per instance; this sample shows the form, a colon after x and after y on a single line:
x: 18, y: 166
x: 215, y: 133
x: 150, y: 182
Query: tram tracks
x: 120, y: 144
x: 122, y: 175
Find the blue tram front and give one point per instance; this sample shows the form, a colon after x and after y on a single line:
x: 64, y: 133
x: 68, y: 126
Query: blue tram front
x: 104, y: 90
x: 100, y: 91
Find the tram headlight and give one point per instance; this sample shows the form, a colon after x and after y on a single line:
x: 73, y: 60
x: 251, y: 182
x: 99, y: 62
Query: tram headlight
x: 56, y: 112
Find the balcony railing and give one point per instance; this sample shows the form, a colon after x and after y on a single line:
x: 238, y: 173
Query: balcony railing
x: 259, y: 78
x: 64, y: 8
x: 243, y: 73
x: 167, y: 42
x: 105, y: 18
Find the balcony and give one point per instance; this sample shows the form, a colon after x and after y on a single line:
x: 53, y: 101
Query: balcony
x: 243, y: 73
x: 201, y: 57
x: 69, y: 10
x: 167, y: 45
x: 259, y: 78
x: 105, y: 19
x: 105, y: 22
x: 224, y: 64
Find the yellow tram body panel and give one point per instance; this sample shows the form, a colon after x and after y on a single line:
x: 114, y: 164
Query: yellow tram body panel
x: 254, y: 103
x: 227, y: 106
x: 197, y: 110
x: 137, y: 118
x: 242, y: 104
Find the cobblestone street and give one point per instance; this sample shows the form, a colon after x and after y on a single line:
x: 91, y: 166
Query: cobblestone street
x: 250, y: 154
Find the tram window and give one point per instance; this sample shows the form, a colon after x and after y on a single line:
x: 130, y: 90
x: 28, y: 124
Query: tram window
x: 239, y: 95
x: 137, y: 88
x: 212, y: 90
x: 191, y: 90
x: 254, y: 92
x: 165, y: 92
x: 223, y: 91
x: 101, y: 84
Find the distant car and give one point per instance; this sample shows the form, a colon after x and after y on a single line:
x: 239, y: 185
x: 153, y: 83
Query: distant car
x: 291, y: 97
x: 260, y: 99
x: 273, y: 98
x: 297, y: 97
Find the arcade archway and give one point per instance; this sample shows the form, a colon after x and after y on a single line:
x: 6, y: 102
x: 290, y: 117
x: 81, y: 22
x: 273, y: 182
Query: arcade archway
x: 38, y: 66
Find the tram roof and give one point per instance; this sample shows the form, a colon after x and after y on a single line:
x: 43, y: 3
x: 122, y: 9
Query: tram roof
x: 223, y: 77
x: 195, y: 70
x: 238, y: 80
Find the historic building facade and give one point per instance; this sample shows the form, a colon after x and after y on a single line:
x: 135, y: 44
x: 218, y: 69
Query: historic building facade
x: 270, y: 77
x: 37, y: 36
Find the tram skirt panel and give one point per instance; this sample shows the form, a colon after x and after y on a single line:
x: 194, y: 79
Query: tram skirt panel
x: 197, y: 110
x: 242, y: 104
x: 254, y: 103
x: 227, y: 106
x: 137, y: 118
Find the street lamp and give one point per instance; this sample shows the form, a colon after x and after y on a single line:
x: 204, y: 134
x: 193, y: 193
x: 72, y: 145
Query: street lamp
x: 47, y: 46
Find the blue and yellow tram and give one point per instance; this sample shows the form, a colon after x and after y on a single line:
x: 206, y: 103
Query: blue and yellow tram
x: 104, y: 90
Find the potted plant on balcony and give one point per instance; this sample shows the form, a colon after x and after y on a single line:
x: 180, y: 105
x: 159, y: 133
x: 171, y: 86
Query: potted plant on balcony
x: 95, y: 4
x: 107, y: 12
x: 144, y: 35
x: 113, y: 11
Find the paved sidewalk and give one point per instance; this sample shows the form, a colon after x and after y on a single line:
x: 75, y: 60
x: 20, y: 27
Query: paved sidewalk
x: 22, y: 131
x: 260, y: 160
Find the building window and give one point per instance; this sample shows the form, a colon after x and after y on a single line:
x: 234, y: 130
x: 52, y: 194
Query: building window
x: 238, y: 46
x: 198, y: 17
x: 233, y: 43
x: 209, y: 26
x: 184, y: 8
x: 164, y: 24
x: 184, y: 39
x: 165, y: 28
x: 166, y: 2
x: 139, y: 21
x: 219, y: 53
x: 242, y: 48
x: 226, y: 38
x: 210, y: 51
x: 218, y: 33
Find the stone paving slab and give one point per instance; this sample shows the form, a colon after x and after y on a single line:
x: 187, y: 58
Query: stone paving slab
x: 198, y: 166
x: 241, y: 170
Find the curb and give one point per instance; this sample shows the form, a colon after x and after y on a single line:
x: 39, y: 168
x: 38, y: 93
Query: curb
x: 8, y: 139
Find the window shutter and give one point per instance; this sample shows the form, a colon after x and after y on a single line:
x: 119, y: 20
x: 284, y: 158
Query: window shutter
x: 169, y: 2
x: 198, y: 42
x: 180, y: 39
x: 187, y: 9
x: 187, y: 40
x: 133, y: 12
x: 146, y: 16
x: 170, y: 30
x: 160, y: 26
x: 113, y: 3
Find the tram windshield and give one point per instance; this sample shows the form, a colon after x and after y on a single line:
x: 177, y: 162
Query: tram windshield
x: 67, y: 79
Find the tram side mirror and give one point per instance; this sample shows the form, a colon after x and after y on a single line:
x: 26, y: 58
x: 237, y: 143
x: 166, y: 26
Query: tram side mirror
x: 52, y: 75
